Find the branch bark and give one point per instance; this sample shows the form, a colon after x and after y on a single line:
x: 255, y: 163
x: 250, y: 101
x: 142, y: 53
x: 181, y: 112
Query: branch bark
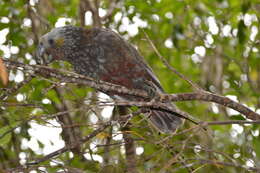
x: 110, y: 10
x: 70, y: 134
x: 210, y: 97
x: 129, y: 143
x: 106, y: 87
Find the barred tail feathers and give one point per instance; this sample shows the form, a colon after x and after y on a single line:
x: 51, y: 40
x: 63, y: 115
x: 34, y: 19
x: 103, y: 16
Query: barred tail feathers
x: 165, y: 122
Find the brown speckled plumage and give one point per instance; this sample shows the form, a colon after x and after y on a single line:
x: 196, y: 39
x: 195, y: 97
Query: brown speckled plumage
x: 103, y: 54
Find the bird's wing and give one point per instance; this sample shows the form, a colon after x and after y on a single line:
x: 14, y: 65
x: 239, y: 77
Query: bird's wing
x: 125, y: 66
x: 124, y: 61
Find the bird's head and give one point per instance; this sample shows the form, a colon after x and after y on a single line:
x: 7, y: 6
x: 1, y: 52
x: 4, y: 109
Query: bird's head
x: 58, y: 43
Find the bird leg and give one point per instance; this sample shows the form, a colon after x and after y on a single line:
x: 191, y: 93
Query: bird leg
x: 152, y: 92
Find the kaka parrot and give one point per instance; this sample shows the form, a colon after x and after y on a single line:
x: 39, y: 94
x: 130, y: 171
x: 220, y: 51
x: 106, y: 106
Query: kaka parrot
x: 104, y: 55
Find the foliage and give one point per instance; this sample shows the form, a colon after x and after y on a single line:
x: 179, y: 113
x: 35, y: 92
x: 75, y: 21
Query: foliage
x: 213, y: 42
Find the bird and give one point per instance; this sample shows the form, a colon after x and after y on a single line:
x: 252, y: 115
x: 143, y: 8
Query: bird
x: 103, y: 54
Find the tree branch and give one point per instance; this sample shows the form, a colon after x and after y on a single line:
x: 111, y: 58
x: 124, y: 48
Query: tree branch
x: 106, y: 87
x: 66, y: 148
x: 129, y: 143
x: 165, y: 62
x: 216, y: 163
x: 15, y: 88
x: 210, y: 97
x: 110, y: 10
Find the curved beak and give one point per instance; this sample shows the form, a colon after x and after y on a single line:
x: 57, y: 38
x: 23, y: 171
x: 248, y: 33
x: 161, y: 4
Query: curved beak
x: 40, y: 50
x: 42, y: 57
x: 39, y: 54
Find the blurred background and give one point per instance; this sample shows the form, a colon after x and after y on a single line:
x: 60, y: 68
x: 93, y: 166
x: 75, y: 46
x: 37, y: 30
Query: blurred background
x: 215, y: 43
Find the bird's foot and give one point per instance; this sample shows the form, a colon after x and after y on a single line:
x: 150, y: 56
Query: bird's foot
x: 151, y: 91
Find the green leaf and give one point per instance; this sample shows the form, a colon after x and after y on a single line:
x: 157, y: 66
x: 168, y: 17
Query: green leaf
x: 5, y: 135
x: 256, y: 145
x: 241, y: 32
x: 245, y: 6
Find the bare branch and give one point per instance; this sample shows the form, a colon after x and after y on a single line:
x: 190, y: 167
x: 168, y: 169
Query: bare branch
x: 13, y: 104
x: 70, y: 134
x: 111, y: 8
x: 24, y: 121
x: 129, y: 143
x: 15, y: 88
x: 71, y: 77
x: 106, y: 87
x: 216, y: 162
x: 165, y: 62
x: 209, y: 97
x: 66, y: 148
x: 231, y: 122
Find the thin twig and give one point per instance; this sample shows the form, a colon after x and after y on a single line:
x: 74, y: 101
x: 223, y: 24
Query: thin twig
x: 66, y: 148
x: 129, y: 143
x: 110, y: 10
x: 216, y: 162
x: 15, y: 88
x: 10, y: 104
x: 31, y: 118
x: 165, y: 62
x: 230, y: 122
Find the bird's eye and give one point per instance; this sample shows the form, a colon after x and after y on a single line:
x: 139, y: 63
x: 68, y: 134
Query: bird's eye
x: 51, y: 41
